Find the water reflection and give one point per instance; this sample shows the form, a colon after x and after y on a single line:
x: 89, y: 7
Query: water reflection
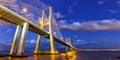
x: 46, y: 57
x: 72, y: 57
x: 62, y: 56
x: 16, y: 58
x: 69, y: 55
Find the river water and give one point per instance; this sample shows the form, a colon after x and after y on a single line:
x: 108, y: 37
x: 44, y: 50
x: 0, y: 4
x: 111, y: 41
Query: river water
x: 72, y: 56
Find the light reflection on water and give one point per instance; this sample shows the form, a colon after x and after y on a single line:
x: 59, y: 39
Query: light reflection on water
x: 63, y: 56
x: 79, y: 55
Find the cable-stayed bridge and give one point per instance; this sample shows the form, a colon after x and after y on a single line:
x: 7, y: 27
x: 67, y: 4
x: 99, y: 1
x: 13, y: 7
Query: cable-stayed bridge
x: 27, y: 25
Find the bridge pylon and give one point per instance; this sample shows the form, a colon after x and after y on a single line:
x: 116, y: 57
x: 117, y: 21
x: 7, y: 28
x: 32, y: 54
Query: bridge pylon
x: 42, y: 25
x: 49, y: 24
x: 69, y: 48
x: 52, y: 46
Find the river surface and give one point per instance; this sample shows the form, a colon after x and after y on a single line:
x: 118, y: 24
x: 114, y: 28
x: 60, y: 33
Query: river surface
x: 72, y: 56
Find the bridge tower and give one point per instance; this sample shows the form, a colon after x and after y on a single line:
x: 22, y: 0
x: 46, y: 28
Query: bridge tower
x: 42, y: 25
x: 68, y: 48
x: 49, y: 24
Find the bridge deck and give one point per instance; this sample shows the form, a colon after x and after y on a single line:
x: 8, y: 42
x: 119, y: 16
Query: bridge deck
x: 12, y: 17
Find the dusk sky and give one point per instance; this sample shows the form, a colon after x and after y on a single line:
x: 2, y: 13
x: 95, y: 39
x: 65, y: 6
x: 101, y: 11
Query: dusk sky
x: 88, y: 23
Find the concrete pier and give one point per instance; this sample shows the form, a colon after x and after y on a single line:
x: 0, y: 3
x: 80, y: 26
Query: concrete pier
x: 23, y: 39
x: 15, y: 40
x: 37, y: 48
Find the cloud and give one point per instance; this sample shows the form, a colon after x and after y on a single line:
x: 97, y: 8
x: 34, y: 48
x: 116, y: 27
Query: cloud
x: 32, y: 41
x: 58, y: 15
x: 118, y: 3
x: 90, y: 26
x: 5, y: 43
x: 100, y: 2
x: 82, y: 42
x: 9, y: 31
x: 70, y: 9
x: 112, y: 11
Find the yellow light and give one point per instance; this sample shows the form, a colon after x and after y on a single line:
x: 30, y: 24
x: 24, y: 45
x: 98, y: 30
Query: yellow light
x: 24, y: 9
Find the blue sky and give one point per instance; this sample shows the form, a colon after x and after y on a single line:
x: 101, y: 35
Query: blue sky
x: 89, y: 24
x: 86, y: 9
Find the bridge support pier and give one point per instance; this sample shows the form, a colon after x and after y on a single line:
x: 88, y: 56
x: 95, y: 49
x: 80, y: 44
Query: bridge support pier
x: 52, y: 47
x: 23, y: 39
x: 38, y: 44
x: 15, y: 40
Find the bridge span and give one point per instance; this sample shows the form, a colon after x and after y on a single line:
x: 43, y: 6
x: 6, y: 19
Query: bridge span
x: 21, y: 22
